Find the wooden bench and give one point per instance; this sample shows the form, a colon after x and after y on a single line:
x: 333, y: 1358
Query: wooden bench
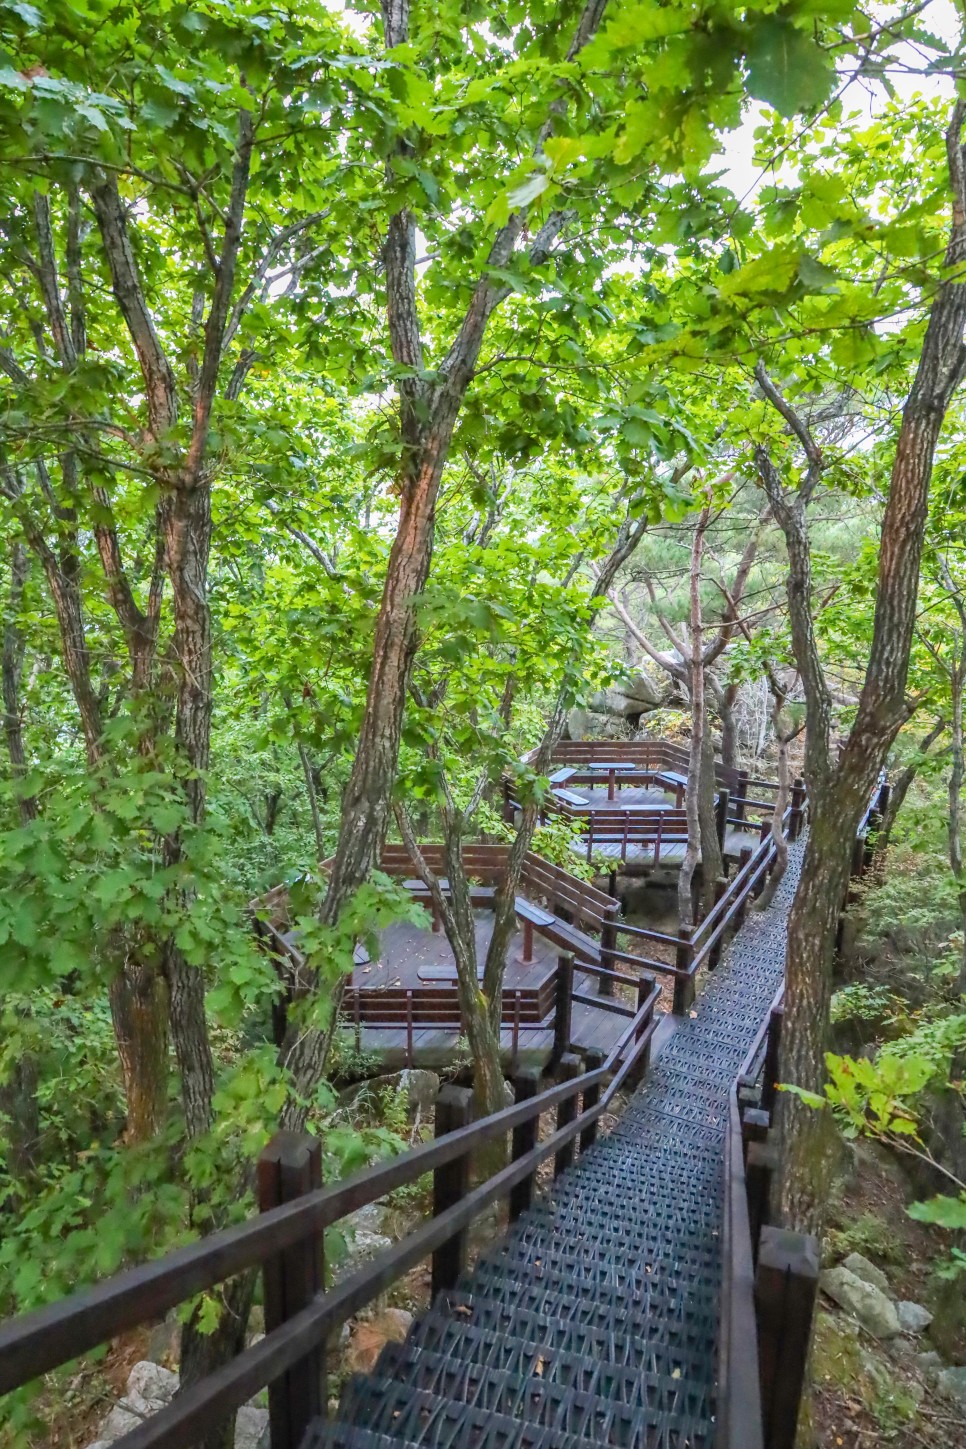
x: 570, y: 797
x: 677, y: 782
x: 560, y: 777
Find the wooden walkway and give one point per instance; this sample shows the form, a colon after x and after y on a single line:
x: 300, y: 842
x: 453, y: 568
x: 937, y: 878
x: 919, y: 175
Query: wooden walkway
x: 596, y: 1320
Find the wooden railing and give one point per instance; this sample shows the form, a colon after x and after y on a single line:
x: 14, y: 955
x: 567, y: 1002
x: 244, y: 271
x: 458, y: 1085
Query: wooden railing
x: 702, y: 947
x: 770, y: 1279
x: 286, y: 1243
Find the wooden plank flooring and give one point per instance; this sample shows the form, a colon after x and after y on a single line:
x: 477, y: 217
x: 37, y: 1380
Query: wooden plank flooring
x: 406, y: 950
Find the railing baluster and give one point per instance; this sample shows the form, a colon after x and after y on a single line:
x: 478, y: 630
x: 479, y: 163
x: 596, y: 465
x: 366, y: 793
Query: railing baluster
x: 515, y: 1046
x: 524, y: 1140
x: 589, y: 1098
x: 451, y: 1182
x: 569, y: 1068
x: 683, y: 985
x: 563, y: 1007
x: 409, y: 1028
x: 721, y: 816
x: 786, y: 1287
x: 769, y: 1078
x: 714, y: 955
x: 288, y: 1167
x: 644, y: 988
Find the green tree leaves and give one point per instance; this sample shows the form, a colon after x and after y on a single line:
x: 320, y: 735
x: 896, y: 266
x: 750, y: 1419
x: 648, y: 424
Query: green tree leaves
x: 786, y: 67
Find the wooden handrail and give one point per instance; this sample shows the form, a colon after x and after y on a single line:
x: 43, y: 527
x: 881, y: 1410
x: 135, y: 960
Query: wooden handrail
x: 739, y: 1412
x: 37, y: 1342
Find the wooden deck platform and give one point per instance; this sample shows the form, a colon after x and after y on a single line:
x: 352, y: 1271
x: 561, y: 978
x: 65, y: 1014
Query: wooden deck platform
x: 642, y: 855
x: 434, y: 1048
x: 411, y: 956
x: 628, y: 797
x: 408, y: 953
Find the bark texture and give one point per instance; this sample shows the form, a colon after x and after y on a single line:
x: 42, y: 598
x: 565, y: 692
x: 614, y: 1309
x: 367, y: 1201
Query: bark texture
x: 840, y: 790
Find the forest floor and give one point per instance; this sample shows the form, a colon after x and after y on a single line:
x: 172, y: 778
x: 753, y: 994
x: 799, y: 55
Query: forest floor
x: 867, y: 1391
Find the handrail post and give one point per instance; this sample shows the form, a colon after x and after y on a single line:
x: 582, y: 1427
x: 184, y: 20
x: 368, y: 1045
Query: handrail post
x: 451, y: 1183
x: 569, y: 1068
x: 761, y: 1164
x: 289, y: 1166
x: 608, y: 942
x: 741, y: 794
x: 563, y: 1007
x: 743, y: 860
x: 720, y: 889
x: 683, y: 985
x: 798, y: 802
x: 786, y: 1287
x: 589, y: 1098
x: 769, y: 1077
x: 637, y: 1073
x: 525, y: 1134
x: 721, y: 816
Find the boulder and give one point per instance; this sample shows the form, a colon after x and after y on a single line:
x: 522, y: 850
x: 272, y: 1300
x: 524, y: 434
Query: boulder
x: 928, y: 1363
x: 952, y: 1382
x: 421, y: 1088
x: 868, y: 1272
x: 586, y: 724
x: 370, y: 1336
x: 149, y: 1388
x: 913, y: 1318
x: 866, y: 1303
x: 251, y: 1423
x: 634, y: 696
x: 365, y: 1238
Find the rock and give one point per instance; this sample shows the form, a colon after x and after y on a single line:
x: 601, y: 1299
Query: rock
x: 585, y: 724
x: 952, y: 1382
x: 164, y: 1345
x: 365, y: 1238
x: 370, y: 1336
x: 866, y: 1303
x: 149, y: 1388
x: 928, y: 1363
x: 913, y: 1318
x: 250, y: 1425
x: 868, y: 1272
x: 903, y: 1347
x: 151, y: 1383
x: 421, y: 1088
x: 634, y: 696
x: 119, y: 1421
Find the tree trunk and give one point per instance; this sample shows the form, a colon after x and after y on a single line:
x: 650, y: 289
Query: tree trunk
x: 11, y: 668
x: 812, y: 928
x: 139, y: 1011
x: 712, y: 859
x: 957, y: 680
x: 778, y: 817
x: 725, y: 700
x: 839, y: 792
x: 699, y: 723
